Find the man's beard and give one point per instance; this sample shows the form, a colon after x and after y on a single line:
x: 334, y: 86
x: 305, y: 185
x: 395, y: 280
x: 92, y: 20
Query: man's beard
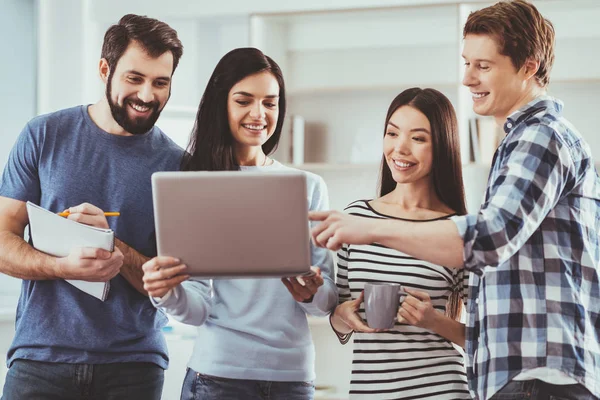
x: 135, y: 126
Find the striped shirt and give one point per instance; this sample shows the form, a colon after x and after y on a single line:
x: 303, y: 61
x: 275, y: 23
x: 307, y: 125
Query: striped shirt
x: 406, y: 362
x: 535, y: 249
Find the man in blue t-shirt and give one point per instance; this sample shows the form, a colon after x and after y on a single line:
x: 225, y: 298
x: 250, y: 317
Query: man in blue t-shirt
x: 90, y: 159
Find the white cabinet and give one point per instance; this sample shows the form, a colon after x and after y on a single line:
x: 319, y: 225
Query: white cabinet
x: 343, y: 68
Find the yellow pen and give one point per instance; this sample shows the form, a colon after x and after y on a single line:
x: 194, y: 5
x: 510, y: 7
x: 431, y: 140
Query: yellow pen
x: 106, y: 214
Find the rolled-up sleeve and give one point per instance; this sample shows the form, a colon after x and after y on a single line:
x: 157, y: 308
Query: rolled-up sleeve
x: 534, y: 169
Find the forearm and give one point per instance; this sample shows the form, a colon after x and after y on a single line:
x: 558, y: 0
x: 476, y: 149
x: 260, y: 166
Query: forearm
x: 450, y: 329
x: 326, y: 297
x: 437, y: 242
x: 188, y: 302
x: 132, y: 266
x: 20, y: 260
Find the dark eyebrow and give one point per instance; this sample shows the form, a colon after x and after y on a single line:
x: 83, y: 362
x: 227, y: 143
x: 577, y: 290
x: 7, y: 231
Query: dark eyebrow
x: 134, y: 72
x: 271, y: 96
x: 412, y: 130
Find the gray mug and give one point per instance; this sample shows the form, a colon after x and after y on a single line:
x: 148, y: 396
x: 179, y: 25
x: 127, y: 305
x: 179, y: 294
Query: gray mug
x: 382, y: 300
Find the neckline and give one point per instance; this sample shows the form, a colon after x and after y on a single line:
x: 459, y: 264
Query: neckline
x: 272, y: 165
x: 405, y: 219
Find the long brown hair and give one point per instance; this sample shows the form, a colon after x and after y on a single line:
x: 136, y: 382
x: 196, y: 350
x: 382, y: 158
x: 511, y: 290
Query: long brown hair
x: 446, y: 170
x: 211, y: 143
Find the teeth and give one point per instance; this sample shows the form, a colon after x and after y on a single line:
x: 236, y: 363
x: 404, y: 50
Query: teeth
x: 255, y: 127
x: 139, y: 108
x: 479, y: 95
x: 402, y: 164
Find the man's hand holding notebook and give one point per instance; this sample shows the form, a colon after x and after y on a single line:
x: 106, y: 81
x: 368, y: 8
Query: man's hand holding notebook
x: 81, y: 264
x: 87, y: 255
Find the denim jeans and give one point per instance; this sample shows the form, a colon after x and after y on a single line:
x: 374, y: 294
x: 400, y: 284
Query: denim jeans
x: 197, y: 386
x: 540, y: 390
x: 35, y: 380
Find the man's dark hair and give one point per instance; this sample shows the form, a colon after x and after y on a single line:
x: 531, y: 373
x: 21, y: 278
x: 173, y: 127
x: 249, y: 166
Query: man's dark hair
x: 154, y: 36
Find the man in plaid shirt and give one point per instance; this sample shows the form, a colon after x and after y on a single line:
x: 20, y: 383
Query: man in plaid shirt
x: 533, y: 320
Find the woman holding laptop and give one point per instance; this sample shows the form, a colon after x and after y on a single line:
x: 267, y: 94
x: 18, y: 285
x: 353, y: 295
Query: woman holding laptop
x: 253, y: 337
x: 420, y: 180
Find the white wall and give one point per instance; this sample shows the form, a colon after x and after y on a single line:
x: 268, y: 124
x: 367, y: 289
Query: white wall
x: 60, y: 61
x: 18, y: 72
x: 17, y: 106
x: 111, y: 9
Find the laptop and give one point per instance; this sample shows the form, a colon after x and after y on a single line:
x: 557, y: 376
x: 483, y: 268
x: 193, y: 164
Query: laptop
x: 233, y: 224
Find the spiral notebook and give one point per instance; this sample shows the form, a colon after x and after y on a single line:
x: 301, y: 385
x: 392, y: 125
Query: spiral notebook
x: 57, y: 236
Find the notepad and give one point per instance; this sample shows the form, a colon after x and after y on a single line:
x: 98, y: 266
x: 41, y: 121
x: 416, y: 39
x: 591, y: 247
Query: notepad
x: 57, y: 236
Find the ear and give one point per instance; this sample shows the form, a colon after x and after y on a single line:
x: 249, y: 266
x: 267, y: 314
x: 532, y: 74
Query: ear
x: 104, y: 70
x: 530, y: 68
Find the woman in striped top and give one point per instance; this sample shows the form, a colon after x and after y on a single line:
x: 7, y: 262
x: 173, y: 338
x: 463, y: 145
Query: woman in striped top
x: 421, y: 180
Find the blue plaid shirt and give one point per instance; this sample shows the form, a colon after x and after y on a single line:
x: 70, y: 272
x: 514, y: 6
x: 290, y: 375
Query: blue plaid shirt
x: 534, y: 297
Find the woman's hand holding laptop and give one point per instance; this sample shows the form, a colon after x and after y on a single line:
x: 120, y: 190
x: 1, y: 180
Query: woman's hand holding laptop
x: 161, y: 274
x: 304, y: 287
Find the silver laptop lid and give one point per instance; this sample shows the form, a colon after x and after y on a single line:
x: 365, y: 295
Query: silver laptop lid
x: 233, y: 223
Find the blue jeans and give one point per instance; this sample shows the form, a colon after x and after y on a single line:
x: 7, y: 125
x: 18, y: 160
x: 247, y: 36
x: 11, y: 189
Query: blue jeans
x: 35, y: 380
x: 197, y: 386
x: 540, y: 390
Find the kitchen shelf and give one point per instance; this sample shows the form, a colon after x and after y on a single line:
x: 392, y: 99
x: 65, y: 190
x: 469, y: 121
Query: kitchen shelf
x: 378, y: 67
x: 573, y: 81
x: 179, y: 111
x: 321, y: 167
x: 345, y: 89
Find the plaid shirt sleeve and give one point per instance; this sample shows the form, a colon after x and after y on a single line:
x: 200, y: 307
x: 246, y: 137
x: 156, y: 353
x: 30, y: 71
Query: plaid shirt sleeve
x: 534, y: 170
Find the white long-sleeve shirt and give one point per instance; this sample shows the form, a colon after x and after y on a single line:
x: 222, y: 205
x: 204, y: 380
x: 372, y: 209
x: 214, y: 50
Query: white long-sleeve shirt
x: 253, y: 328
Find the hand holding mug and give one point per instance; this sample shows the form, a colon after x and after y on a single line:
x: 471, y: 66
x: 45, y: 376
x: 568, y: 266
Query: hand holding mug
x: 347, y: 312
x: 303, y: 288
x: 418, y: 310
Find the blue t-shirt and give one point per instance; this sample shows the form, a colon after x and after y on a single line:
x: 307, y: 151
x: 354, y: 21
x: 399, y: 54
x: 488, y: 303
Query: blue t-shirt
x: 64, y: 159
